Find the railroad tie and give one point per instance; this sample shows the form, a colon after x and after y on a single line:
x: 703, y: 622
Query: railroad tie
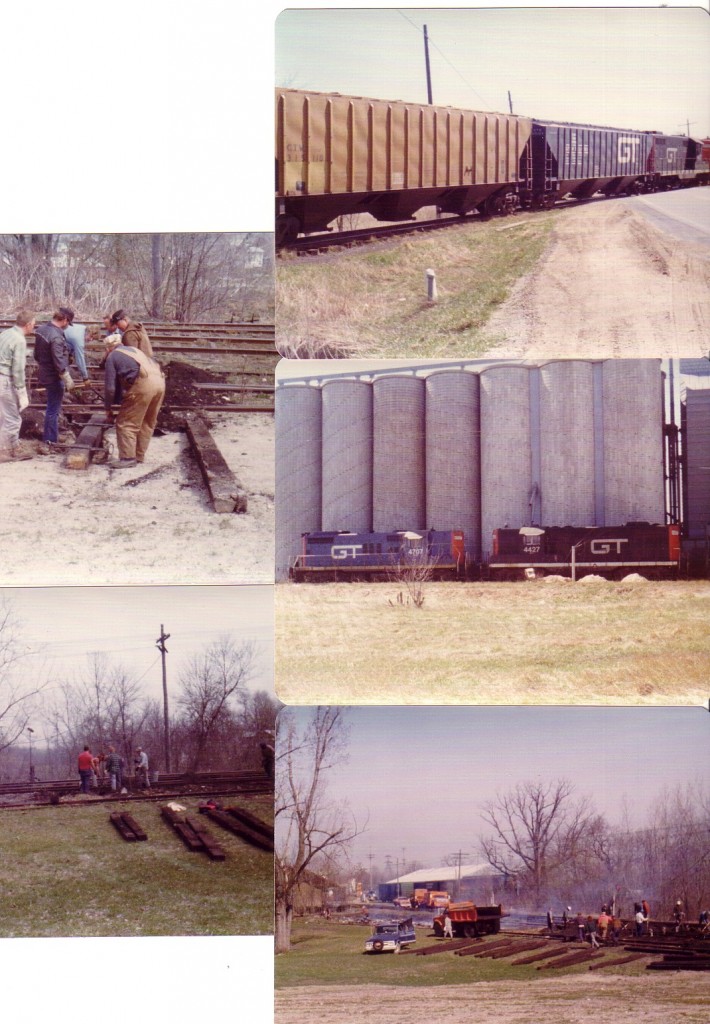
x: 127, y: 827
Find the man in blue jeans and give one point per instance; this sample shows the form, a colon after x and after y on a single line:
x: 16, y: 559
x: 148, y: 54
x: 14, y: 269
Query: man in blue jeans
x: 75, y: 335
x: 52, y: 357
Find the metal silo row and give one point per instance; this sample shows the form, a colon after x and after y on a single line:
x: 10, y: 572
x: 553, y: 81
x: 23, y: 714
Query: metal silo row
x: 569, y: 442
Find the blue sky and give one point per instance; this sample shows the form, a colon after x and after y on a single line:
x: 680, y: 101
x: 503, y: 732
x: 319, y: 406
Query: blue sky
x: 629, y: 68
x: 418, y: 775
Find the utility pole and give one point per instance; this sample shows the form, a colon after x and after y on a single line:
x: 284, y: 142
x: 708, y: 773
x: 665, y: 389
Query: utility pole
x: 510, y: 102
x: 428, y: 68
x: 160, y: 644
x: 370, y: 857
x: 30, y: 730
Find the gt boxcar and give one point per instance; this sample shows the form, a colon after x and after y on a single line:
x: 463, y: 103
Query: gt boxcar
x: 611, y: 551
x: 336, y: 555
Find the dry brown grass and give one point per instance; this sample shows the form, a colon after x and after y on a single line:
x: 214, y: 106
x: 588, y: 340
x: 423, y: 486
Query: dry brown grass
x: 373, y: 300
x: 514, y: 643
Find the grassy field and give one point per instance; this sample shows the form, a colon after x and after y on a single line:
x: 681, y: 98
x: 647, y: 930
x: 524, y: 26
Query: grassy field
x: 65, y: 871
x: 373, y: 300
x: 324, y: 953
x: 495, y: 643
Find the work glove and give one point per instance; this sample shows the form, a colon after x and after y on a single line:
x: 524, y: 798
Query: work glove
x: 22, y: 398
x: 67, y: 380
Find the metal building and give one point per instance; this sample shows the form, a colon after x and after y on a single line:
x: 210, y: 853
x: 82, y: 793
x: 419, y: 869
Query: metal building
x: 695, y: 413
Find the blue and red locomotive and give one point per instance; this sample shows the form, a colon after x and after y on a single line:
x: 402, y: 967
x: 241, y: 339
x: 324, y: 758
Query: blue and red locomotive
x: 342, y: 555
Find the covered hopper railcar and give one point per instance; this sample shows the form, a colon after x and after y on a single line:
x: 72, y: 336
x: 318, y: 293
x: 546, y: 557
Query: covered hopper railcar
x: 343, y: 555
x: 339, y: 155
x: 343, y: 155
x: 612, y: 551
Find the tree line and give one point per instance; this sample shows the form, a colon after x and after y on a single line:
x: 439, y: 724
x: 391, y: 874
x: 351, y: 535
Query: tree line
x: 186, y: 278
x: 216, y: 721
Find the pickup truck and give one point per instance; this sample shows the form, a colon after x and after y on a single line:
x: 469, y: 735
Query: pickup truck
x: 391, y: 937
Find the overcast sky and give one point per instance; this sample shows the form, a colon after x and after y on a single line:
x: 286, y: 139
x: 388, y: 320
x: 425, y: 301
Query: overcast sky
x: 417, y: 776
x: 64, y: 625
x: 644, y: 69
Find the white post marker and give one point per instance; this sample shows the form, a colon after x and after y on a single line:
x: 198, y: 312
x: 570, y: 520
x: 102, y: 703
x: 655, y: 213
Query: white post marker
x: 431, y: 286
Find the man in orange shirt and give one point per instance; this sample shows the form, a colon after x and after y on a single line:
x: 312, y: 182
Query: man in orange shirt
x: 86, y: 763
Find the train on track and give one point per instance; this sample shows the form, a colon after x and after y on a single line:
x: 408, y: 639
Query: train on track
x: 529, y: 552
x: 343, y: 155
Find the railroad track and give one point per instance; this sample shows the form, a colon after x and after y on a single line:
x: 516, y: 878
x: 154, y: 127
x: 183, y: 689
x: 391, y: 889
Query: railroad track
x: 322, y: 241
x: 213, y: 782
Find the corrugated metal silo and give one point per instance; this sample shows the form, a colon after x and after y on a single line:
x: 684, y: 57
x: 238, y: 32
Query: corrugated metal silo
x: 695, y: 398
x: 453, y: 463
x: 632, y: 399
x: 298, y: 469
x: 398, y: 454
x: 347, y: 455
x: 566, y: 426
x: 507, y: 492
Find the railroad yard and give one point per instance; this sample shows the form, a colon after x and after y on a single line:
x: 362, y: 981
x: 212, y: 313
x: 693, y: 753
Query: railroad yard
x: 435, y: 977
x: 163, y: 521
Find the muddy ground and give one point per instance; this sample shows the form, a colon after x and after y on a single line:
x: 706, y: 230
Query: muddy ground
x: 667, y: 998
x: 610, y: 284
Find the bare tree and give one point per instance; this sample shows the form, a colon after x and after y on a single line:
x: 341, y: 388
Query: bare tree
x: 309, y: 827
x: 211, y: 683
x: 16, y: 693
x: 539, y: 830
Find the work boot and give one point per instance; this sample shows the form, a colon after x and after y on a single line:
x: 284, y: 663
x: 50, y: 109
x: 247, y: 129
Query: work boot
x: 43, y: 448
x: 20, y: 452
x: 122, y: 463
x: 5, y: 455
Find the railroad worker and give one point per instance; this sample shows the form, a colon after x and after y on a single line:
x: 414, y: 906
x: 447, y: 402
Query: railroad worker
x: 581, y: 925
x: 113, y: 767
x: 134, y: 333
x: 591, y: 930
x: 638, y: 920
x: 13, y: 387
x: 85, y: 765
x: 448, y: 926
x: 75, y: 335
x: 52, y: 357
x: 142, y: 767
x: 137, y: 382
x: 603, y: 922
x: 550, y: 920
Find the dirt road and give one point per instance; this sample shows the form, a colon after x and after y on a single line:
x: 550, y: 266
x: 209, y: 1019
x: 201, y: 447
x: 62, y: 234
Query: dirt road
x: 610, y: 284
x: 664, y: 999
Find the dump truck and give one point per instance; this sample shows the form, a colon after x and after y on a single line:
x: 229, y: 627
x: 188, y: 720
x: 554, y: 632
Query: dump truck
x: 469, y: 921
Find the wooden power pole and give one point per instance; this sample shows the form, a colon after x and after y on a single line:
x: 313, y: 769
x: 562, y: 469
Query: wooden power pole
x: 160, y: 643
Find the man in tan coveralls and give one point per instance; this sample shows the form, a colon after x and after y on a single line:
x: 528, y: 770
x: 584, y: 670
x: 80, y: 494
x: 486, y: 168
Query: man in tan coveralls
x: 137, y: 382
x: 134, y: 334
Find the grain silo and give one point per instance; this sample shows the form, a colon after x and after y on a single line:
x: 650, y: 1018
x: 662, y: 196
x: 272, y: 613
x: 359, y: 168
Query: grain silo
x: 347, y: 455
x: 510, y: 490
x: 566, y: 438
x: 298, y: 469
x: 398, y: 454
x: 632, y: 415
x: 453, y: 464
x: 695, y: 418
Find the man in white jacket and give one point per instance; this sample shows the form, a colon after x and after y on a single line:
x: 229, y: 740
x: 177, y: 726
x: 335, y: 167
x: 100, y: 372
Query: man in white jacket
x: 13, y: 387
